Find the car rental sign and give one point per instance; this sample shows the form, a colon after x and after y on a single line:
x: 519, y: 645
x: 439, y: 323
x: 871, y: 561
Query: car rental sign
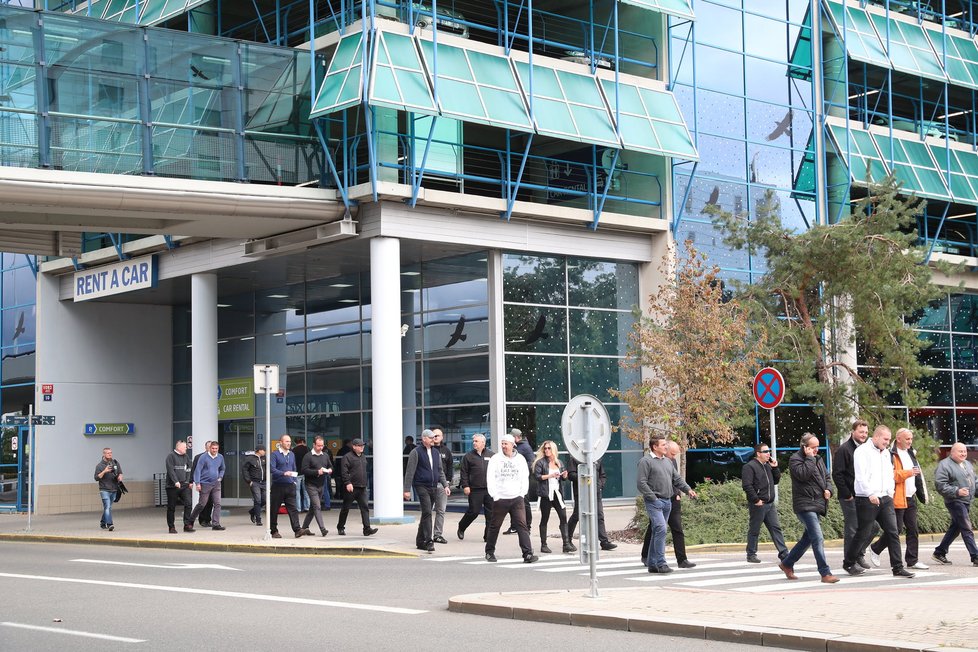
x: 124, y: 276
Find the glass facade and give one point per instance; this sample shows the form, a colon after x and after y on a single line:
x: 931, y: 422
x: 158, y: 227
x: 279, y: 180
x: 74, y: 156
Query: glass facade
x: 566, y: 326
x: 18, y: 331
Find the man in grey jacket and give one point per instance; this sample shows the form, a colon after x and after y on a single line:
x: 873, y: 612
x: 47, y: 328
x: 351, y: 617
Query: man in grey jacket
x: 658, y: 482
x: 955, y: 480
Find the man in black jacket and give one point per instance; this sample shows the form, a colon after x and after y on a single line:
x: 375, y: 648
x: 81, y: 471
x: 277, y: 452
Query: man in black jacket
x: 255, y: 473
x: 575, y: 517
x: 353, y: 477
x: 810, y: 493
x: 179, y: 481
x: 316, y: 469
x: 759, y: 478
x: 844, y: 476
x: 523, y: 448
x: 300, y: 450
x: 472, y: 474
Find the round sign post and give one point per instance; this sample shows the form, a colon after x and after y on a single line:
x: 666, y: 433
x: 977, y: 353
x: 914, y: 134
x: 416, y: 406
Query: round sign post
x: 769, y: 388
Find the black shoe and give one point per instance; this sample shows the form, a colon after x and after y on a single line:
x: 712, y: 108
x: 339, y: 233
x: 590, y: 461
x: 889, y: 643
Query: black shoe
x: 460, y: 534
x: 276, y: 535
x: 218, y: 527
x: 974, y: 561
x: 941, y: 559
x: 686, y: 564
x: 490, y: 557
x: 511, y: 530
x: 529, y: 559
x: 370, y: 531
x: 570, y: 547
x: 421, y: 546
x: 173, y: 530
x: 205, y: 523
x: 653, y: 569
x: 430, y: 547
x: 607, y: 545
x: 663, y: 569
x: 902, y: 572
x: 103, y: 526
x: 110, y: 528
x: 855, y: 569
x: 341, y: 531
x: 189, y: 528
x: 258, y: 522
x: 252, y: 517
x: 862, y: 563
x: 324, y: 531
x: 545, y: 548
x: 753, y: 559
x: 440, y: 539
x: 302, y: 532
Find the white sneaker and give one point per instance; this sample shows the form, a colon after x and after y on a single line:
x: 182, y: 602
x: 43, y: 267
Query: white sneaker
x: 874, y: 559
x: 920, y: 566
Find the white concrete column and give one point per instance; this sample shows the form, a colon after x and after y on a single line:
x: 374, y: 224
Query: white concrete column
x: 385, y: 354
x: 203, y: 337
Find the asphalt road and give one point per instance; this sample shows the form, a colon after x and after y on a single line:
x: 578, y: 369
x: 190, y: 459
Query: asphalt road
x: 81, y: 597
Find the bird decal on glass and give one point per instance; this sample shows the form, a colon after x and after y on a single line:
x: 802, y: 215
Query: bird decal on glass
x: 200, y: 73
x: 457, y: 336
x: 19, y: 329
x: 538, y: 333
x: 714, y: 199
x: 783, y: 128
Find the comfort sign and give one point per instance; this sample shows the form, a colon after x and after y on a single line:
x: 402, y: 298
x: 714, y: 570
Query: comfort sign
x: 125, y: 276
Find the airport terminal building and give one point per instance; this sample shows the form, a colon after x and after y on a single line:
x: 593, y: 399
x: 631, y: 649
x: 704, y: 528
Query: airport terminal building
x: 425, y: 213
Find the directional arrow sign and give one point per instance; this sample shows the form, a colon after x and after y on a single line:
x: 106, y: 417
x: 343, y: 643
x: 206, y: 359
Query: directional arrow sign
x: 168, y: 566
x: 110, y: 428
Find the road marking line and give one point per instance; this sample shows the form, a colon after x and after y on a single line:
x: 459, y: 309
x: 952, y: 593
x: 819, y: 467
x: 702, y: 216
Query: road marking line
x: 846, y: 581
x: 223, y: 594
x: 622, y: 564
x: 75, y: 632
x: 692, y: 574
x: 168, y: 566
x: 453, y: 558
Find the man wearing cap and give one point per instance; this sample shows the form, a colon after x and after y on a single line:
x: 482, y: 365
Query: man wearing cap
x: 508, y: 479
x: 178, y: 483
x: 523, y: 448
x: 353, y: 478
x: 425, y: 473
x: 254, y: 473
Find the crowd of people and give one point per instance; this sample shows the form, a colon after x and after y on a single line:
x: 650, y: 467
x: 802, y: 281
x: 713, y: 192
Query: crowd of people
x: 879, y: 488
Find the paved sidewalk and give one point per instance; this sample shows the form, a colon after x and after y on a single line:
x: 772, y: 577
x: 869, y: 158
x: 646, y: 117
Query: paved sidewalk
x: 896, y: 618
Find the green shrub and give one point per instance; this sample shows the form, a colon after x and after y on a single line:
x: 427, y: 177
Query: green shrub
x: 719, y: 515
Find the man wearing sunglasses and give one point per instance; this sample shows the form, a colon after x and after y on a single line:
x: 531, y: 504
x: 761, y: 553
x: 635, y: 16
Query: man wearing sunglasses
x: 759, y: 478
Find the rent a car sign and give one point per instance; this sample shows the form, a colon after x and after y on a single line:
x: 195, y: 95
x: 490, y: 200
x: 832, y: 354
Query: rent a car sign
x: 124, y: 276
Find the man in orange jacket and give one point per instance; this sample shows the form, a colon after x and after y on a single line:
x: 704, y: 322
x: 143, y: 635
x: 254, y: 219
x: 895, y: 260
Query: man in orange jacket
x: 908, y: 491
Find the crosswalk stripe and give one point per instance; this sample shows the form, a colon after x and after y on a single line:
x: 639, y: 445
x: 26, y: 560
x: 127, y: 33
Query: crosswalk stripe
x: 862, y: 579
x: 454, y: 558
x: 621, y: 564
x: 763, y: 572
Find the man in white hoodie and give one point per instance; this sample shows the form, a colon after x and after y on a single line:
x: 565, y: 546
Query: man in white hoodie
x: 508, y: 480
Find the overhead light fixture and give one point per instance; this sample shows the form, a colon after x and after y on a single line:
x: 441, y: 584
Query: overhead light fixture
x: 224, y: 305
x: 410, y: 273
x: 866, y: 94
x: 952, y: 115
x: 347, y: 301
x: 340, y: 285
x: 245, y: 339
x: 222, y: 341
x: 412, y: 290
x: 278, y: 296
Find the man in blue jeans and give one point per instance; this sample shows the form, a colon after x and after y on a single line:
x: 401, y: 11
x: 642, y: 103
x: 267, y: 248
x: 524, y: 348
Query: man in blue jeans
x: 811, y: 490
x: 108, y: 474
x: 658, y: 482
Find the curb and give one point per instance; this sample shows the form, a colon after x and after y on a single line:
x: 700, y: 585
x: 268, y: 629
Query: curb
x: 259, y: 548
x: 475, y: 604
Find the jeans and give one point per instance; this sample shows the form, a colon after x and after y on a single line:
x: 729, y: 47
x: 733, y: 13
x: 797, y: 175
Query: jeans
x: 108, y: 497
x: 302, y: 496
x: 767, y: 515
x: 811, y: 538
x: 257, y: 499
x: 658, y: 511
x: 960, y: 524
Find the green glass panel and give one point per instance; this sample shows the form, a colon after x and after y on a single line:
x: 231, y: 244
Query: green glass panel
x: 580, y: 89
x: 680, y: 8
x: 968, y: 162
x: 593, y: 124
x: 661, y: 105
x: 385, y: 87
x: 554, y: 118
x: 414, y: 89
x: 347, y: 53
x: 800, y: 62
x: 861, y: 40
x: 932, y: 183
x: 492, y: 70
x: 863, y: 142
x: 451, y: 60
x: 857, y: 169
x: 627, y: 94
x: 675, y: 139
x: 877, y: 170
x: 917, y: 153
x: 637, y: 133
x: 402, y: 50
x: 351, y: 89
x: 961, y: 190
x: 506, y: 108
x: 904, y: 174
x: 460, y: 99
x: 544, y: 81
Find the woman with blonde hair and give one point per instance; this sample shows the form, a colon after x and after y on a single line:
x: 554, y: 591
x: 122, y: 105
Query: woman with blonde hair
x: 549, y: 472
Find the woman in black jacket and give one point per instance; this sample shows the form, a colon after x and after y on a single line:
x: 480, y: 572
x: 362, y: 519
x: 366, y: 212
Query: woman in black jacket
x: 549, y: 472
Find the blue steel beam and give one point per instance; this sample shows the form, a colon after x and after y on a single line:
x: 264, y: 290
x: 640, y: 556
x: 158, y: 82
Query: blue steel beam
x: 117, y: 243
x: 418, y: 175
x: 513, y: 188
x: 600, y: 200
x: 340, y: 187
x: 930, y: 250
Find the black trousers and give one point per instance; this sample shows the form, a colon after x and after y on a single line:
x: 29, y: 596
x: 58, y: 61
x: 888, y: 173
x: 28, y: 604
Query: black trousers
x: 426, y: 497
x: 868, y: 516
x: 184, y: 496
x: 284, y: 493
x: 676, y: 528
x: 576, y: 516
x: 479, y: 499
x: 906, y: 521
x: 358, y: 496
x: 515, y: 507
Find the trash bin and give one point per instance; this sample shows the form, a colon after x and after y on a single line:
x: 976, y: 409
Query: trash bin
x: 159, y: 491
